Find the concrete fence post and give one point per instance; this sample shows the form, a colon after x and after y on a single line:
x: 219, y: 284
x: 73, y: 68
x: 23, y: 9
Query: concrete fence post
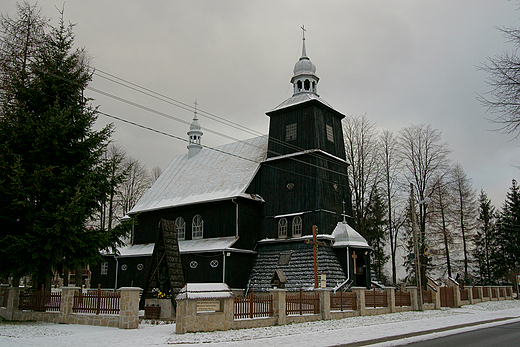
x: 390, y: 295
x: 67, y: 302
x: 279, y: 296
x: 129, y: 307
x: 13, y: 301
x: 324, y: 294
x: 360, y: 294
x: 414, y: 298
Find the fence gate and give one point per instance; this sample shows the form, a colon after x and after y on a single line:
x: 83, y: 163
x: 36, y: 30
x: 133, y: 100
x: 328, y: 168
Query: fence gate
x: 447, y: 297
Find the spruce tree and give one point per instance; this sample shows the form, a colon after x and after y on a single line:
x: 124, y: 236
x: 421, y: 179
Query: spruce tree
x: 485, y: 240
x: 506, y: 259
x: 52, y: 176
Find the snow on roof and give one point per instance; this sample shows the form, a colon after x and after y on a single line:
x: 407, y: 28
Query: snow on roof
x: 136, y: 250
x: 207, y: 245
x: 300, y: 99
x: 212, y: 174
x: 346, y: 236
x: 215, y: 244
x: 205, y: 291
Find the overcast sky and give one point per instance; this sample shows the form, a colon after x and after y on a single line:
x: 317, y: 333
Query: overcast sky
x: 398, y: 62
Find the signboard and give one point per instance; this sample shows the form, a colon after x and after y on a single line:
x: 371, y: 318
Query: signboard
x: 323, y: 281
x: 208, y: 305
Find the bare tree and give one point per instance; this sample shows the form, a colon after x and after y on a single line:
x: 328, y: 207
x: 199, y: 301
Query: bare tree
x: 504, y: 80
x: 154, y: 174
x: 441, y: 209
x: 465, y: 210
x: 362, y: 150
x: 134, y: 185
x: 425, y: 157
x: 391, y: 170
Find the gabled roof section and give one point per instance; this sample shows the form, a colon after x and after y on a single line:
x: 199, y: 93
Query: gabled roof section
x: 213, y: 174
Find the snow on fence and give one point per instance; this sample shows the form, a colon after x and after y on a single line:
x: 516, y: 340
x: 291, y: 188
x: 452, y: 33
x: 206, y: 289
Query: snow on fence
x: 343, y: 301
x: 41, y: 301
x: 302, y: 303
x: 98, y: 302
x: 375, y: 298
x: 252, y: 306
x: 402, y: 298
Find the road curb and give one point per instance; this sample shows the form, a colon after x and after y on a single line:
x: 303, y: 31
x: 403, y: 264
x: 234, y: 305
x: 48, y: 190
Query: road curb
x: 420, y: 333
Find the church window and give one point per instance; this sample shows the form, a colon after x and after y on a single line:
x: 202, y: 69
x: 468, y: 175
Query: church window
x: 290, y: 186
x: 197, y: 227
x: 180, y: 225
x: 290, y: 132
x: 213, y: 263
x: 307, y: 85
x: 194, y: 264
x: 140, y: 267
x: 104, y: 268
x: 299, y: 84
x: 282, y: 228
x: 297, y: 226
x: 124, y: 267
x: 330, y: 133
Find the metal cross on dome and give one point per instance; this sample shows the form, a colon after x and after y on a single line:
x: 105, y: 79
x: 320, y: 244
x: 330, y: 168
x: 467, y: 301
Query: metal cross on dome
x: 304, y: 30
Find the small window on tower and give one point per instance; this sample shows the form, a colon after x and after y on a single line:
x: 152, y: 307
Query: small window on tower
x: 290, y: 132
x: 330, y: 133
x: 104, y: 268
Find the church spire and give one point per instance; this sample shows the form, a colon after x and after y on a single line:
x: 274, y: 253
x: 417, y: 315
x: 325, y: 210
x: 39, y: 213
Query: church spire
x: 304, y: 79
x: 195, y: 135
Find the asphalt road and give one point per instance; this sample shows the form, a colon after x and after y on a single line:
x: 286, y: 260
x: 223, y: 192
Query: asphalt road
x: 502, y: 335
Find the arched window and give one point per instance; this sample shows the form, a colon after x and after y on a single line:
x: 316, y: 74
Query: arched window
x: 180, y: 224
x: 282, y: 228
x: 297, y: 226
x: 197, y: 227
x: 307, y: 85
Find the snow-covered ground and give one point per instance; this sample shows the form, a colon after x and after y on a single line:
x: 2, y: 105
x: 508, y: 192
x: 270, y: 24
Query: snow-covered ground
x: 321, y: 333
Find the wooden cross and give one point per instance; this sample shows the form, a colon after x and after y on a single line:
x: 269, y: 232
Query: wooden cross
x: 354, y: 256
x: 315, y: 243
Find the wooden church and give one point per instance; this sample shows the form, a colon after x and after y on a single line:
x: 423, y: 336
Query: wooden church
x: 244, y: 212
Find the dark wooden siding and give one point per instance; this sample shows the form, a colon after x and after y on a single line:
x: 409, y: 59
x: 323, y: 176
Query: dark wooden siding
x: 311, y: 119
x: 219, y: 220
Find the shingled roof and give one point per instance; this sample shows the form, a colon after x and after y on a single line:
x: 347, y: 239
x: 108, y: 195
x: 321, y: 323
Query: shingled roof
x: 212, y: 174
x: 296, y: 261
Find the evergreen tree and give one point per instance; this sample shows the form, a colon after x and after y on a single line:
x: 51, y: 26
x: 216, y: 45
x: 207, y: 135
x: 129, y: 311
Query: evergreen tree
x: 52, y: 176
x: 507, y: 257
x: 485, y: 240
x: 375, y: 233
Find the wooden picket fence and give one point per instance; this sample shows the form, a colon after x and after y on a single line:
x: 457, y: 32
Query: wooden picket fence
x: 402, y: 298
x: 302, y: 303
x: 343, y: 301
x: 253, y: 305
x: 427, y: 297
x: 98, y: 302
x: 486, y: 292
x: 376, y: 298
x: 474, y: 292
x: 40, y: 301
x: 464, y: 294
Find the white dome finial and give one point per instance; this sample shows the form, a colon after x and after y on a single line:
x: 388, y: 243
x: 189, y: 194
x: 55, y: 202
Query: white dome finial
x: 195, y: 134
x: 304, y: 79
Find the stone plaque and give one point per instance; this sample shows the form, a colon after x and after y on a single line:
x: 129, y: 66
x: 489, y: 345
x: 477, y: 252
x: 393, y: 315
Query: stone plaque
x: 208, y: 305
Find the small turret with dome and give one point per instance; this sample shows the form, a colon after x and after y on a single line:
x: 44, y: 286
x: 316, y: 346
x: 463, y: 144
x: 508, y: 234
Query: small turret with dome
x: 195, y: 135
x: 304, y: 79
